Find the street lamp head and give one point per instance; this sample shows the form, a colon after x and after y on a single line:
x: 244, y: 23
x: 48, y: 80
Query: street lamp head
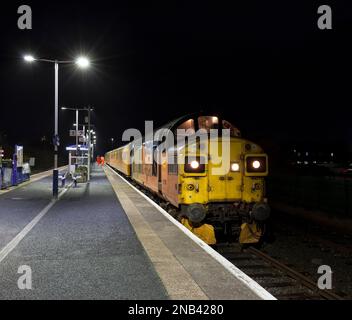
x: 83, y: 62
x: 28, y: 58
x: 63, y: 108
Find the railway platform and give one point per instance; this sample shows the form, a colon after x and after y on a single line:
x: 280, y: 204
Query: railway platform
x: 106, y: 240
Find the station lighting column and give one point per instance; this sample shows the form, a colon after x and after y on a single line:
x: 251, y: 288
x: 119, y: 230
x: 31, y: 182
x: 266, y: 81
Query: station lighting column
x: 81, y: 62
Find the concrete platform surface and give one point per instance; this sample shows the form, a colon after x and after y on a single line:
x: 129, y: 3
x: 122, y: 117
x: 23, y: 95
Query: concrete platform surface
x: 105, y: 240
x: 83, y: 248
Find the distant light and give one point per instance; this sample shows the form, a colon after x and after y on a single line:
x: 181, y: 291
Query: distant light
x: 82, y: 62
x: 29, y: 58
x: 332, y: 154
x: 307, y: 153
x: 63, y: 108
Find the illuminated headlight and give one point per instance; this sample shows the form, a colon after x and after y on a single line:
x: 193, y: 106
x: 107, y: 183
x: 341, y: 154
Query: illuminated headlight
x: 194, y: 164
x: 256, y: 164
x: 235, y: 167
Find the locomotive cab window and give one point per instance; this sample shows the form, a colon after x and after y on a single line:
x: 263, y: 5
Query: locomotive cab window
x: 187, y: 126
x: 208, y: 122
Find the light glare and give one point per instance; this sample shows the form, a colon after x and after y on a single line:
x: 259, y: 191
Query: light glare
x: 28, y: 58
x: 82, y: 62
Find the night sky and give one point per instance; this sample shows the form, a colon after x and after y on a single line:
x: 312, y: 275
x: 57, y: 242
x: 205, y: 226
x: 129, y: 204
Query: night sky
x: 264, y: 64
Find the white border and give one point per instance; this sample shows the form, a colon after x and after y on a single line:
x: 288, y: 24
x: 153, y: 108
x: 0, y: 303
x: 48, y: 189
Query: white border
x: 239, y: 274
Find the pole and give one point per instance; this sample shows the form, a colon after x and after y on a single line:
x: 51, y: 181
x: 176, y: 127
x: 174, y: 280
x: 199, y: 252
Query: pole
x: 76, y: 137
x: 89, y: 143
x: 56, y: 134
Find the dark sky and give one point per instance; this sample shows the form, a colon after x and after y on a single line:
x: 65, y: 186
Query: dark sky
x: 264, y: 64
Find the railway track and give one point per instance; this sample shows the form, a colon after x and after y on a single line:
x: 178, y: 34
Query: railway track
x: 281, y: 281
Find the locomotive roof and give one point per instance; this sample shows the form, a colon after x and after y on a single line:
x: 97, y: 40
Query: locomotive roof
x: 172, y: 124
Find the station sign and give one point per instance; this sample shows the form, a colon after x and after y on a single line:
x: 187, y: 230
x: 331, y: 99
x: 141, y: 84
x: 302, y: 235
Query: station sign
x: 79, y: 133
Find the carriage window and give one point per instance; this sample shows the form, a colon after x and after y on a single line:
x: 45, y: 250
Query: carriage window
x: 208, y: 122
x: 234, y: 132
x: 155, y: 164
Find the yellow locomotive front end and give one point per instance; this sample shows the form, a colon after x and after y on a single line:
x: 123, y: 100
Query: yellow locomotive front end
x: 223, y: 185
x: 208, y: 177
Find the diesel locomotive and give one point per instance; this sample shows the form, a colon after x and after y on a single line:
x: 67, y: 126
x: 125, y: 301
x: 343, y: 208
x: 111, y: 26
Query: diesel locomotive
x: 211, y: 179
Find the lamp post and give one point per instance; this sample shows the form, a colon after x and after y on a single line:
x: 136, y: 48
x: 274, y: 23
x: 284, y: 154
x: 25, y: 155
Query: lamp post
x: 112, y: 143
x: 82, y: 62
x: 88, y: 109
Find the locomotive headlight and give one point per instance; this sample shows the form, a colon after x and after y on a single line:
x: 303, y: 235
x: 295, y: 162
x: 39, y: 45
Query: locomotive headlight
x: 256, y: 164
x: 235, y: 167
x: 194, y: 164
